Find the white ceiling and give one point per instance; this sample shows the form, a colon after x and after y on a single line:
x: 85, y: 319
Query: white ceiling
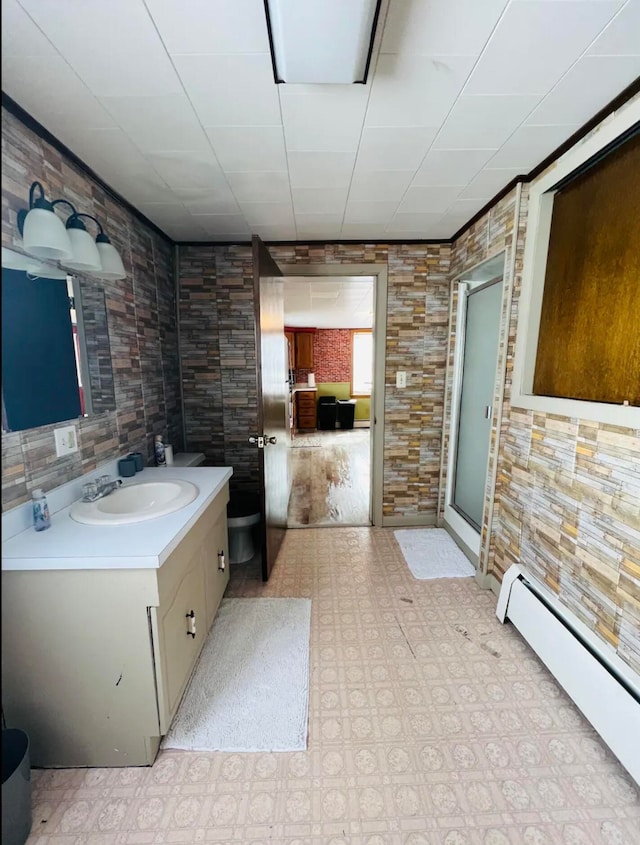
x: 332, y: 302
x: 174, y: 105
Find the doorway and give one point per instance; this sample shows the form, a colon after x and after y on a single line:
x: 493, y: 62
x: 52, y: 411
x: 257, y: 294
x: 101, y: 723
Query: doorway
x: 336, y: 466
x: 328, y: 325
x: 472, y: 415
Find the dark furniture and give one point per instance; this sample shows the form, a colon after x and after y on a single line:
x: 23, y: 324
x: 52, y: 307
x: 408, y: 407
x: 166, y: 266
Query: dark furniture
x: 346, y: 413
x: 327, y: 413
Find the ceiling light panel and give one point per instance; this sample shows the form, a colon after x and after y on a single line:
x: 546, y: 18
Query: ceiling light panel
x: 324, y: 41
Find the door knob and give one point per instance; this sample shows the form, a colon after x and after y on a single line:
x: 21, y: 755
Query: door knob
x: 272, y: 440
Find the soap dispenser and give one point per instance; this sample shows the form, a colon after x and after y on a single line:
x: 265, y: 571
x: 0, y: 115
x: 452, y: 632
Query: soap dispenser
x: 159, y: 451
x: 41, y: 517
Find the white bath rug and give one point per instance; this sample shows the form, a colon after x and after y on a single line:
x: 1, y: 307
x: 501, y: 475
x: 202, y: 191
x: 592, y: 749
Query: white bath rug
x: 250, y: 688
x: 431, y: 553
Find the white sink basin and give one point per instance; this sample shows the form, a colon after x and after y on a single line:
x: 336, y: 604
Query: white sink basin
x: 136, y: 503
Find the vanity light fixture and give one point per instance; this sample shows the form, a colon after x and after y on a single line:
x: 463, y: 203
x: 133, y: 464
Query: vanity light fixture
x: 45, y: 236
x: 33, y: 267
x: 321, y: 41
x: 43, y: 232
x: 85, y: 256
x: 110, y: 264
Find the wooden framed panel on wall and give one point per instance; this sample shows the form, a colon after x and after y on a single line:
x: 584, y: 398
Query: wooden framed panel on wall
x: 589, y: 338
x: 578, y: 339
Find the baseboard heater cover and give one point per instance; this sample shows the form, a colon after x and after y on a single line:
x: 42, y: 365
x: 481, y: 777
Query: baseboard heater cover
x: 605, y: 689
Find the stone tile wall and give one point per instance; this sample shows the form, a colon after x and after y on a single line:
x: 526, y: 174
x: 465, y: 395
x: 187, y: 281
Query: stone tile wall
x: 219, y: 384
x: 566, y: 503
x: 142, y: 326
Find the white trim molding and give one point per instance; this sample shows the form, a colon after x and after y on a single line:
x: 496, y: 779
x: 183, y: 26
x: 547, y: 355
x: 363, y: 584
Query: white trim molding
x: 606, y: 689
x: 541, y: 196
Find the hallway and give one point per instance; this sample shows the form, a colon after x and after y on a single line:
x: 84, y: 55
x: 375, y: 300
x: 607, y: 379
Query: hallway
x: 330, y: 478
x: 430, y: 723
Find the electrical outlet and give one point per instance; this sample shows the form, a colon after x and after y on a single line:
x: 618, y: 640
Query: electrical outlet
x: 401, y: 378
x: 66, y: 440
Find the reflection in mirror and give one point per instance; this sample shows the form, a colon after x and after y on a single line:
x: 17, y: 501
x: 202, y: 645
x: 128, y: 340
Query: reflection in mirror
x: 56, y: 358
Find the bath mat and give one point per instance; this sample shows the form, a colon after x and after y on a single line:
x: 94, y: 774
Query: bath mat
x: 306, y: 442
x: 431, y: 553
x: 250, y: 688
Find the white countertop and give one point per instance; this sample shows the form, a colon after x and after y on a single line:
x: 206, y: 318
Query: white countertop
x: 146, y: 545
x: 297, y: 388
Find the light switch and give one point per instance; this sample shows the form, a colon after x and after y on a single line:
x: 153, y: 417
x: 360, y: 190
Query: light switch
x: 401, y: 378
x: 66, y: 440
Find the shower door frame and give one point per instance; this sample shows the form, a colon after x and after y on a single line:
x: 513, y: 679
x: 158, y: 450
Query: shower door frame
x: 465, y: 531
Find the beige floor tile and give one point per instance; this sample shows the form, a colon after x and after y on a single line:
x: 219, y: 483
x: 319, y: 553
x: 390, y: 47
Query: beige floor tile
x: 429, y: 724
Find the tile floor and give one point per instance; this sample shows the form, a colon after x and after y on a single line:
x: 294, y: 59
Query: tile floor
x: 430, y: 724
x: 330, y: 478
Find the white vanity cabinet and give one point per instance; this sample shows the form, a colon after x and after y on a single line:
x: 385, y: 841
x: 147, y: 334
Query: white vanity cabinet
x: 95, y: 661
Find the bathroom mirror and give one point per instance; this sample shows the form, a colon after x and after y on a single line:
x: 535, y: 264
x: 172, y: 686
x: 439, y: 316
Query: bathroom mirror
x: 56, y: 354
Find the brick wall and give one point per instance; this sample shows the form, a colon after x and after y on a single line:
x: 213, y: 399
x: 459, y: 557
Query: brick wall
x: 142, y: 327
x: 331, y: 357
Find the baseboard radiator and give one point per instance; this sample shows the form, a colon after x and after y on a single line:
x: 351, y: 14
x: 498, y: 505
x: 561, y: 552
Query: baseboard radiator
x: 602, y: 686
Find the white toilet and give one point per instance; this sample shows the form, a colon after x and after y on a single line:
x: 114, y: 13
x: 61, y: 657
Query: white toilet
x: 243, y: 514
x: 188, y: 459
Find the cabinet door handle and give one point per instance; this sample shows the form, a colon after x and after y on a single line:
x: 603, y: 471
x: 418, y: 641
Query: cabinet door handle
x: 191, y: 624
x: 221, y: 561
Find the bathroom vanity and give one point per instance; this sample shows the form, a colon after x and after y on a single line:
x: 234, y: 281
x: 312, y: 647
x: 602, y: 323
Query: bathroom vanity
x: 102, y: 626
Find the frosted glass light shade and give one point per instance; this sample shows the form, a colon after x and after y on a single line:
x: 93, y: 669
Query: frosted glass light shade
x: 12, y: 260
x: 45, y: 236
x: 86, y: 257
x: 321, y: 41
x: 111, y: 263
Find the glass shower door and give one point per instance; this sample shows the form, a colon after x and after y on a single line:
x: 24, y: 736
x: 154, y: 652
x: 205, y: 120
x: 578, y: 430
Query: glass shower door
x: 483, y: 307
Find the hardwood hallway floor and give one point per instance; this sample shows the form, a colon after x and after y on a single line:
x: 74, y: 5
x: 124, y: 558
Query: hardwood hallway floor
x: 331, y: 477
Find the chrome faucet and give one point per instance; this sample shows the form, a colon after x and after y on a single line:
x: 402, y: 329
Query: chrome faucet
x: 98, y: 489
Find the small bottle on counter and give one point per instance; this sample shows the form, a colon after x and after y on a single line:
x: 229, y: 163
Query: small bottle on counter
x: 168, y: 455
x: 41, y: 517
x: 159, y: 451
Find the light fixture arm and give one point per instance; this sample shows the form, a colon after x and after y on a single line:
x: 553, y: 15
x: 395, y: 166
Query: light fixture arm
x: 66, y: 202
x: 32, y: 202
x: 40, y: 202
x: 74, y: 220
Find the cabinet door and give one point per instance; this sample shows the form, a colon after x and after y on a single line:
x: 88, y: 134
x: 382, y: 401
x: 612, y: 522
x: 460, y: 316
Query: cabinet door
x: 306, y: 402
x: 216, y: 579
x: 178, y: 649
x: 304, y: 350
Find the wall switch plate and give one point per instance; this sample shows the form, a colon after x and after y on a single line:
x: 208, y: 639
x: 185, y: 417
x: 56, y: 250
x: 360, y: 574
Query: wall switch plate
x: 66, y: 440
x: 401, y: 378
